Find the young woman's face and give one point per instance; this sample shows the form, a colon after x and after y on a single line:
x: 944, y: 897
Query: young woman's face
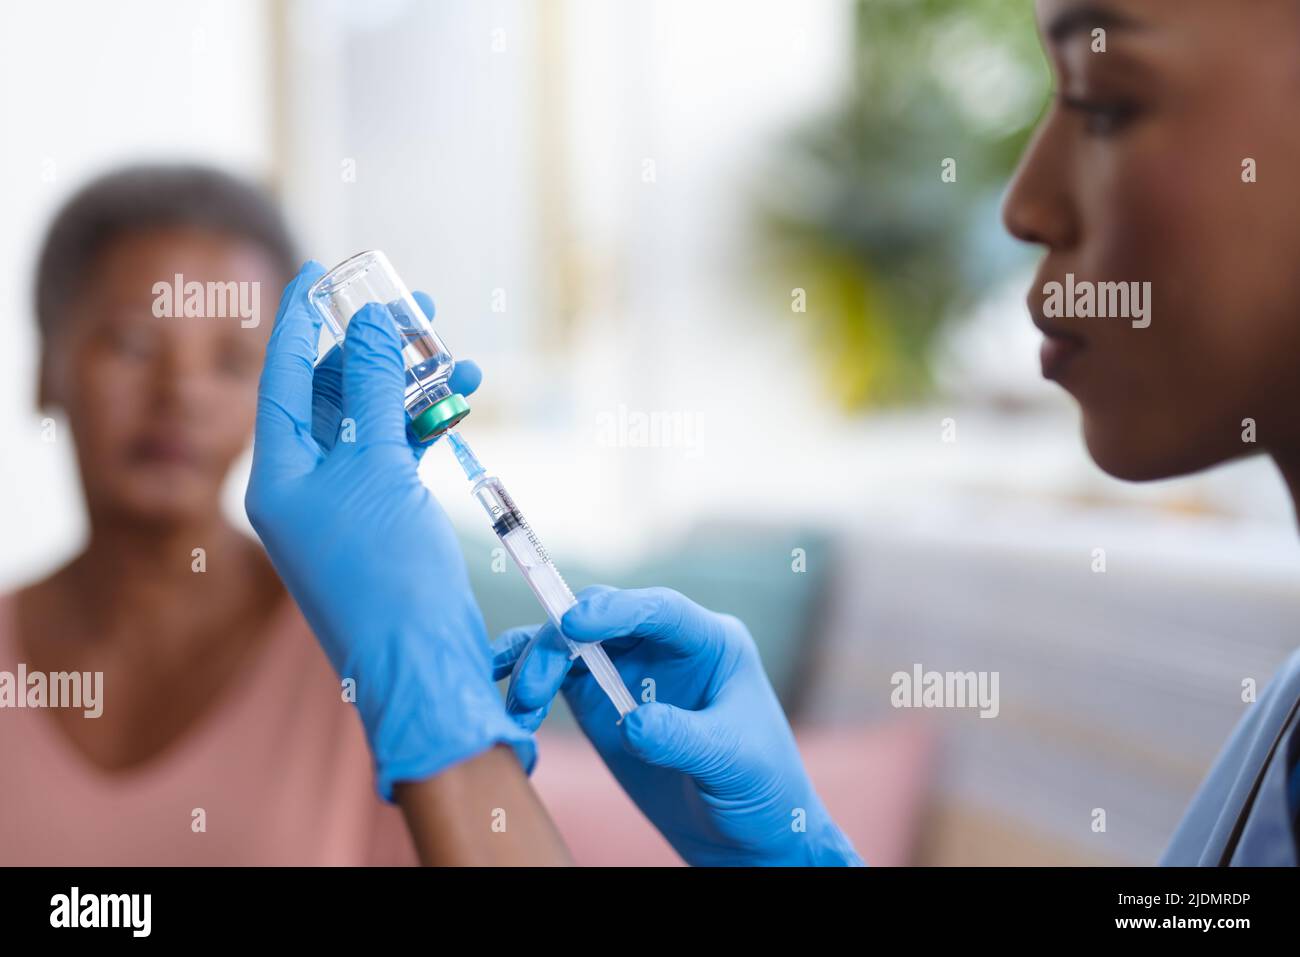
x: 1136, y: 175
x: 160, y: 408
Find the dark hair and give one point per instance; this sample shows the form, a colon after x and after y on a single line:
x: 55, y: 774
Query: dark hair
x: 140, y: 198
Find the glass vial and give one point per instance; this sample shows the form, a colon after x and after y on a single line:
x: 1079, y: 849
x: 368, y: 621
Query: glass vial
x: 369, y: 277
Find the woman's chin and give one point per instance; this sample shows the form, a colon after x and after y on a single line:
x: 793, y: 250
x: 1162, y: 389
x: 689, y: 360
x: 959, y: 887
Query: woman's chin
x: 1124, y: 454
x: 175, y: 502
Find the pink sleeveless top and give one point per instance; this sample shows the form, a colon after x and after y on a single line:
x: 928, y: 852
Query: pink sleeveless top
x: 279, y: 767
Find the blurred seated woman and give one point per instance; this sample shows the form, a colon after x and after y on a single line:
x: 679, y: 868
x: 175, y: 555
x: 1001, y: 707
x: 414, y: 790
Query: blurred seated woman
x: 224, y: 737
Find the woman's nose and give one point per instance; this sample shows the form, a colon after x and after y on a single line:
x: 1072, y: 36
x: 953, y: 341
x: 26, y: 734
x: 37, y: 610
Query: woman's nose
x: 1038, y: 207
x: 180, y: 373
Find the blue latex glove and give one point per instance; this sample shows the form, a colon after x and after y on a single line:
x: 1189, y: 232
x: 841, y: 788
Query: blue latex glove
x: 366, y: 551
x: 710, y: 760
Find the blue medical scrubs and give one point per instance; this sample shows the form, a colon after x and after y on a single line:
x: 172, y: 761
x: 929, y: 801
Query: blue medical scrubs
x: 1269, y: 838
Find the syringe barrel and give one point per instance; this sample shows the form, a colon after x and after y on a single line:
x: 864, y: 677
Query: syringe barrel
x: 525, y: 548
x: 501, y: 508
x: 528, y: 553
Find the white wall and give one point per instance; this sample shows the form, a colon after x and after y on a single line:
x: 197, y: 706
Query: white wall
x: 85, y: 85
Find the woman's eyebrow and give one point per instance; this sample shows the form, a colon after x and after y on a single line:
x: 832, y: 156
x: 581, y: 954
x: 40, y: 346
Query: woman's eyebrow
x: 1086, y: 17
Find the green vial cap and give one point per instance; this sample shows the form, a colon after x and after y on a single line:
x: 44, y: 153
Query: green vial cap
x: 440, y: 417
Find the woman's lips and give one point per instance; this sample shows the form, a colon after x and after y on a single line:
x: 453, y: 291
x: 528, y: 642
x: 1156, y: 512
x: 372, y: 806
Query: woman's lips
x: 1060, y: 347
x: 1057, y: 353
x: 165, y: 450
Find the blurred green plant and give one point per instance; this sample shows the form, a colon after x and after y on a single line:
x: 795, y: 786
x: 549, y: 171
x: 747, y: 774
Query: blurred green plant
x: 860, y: 218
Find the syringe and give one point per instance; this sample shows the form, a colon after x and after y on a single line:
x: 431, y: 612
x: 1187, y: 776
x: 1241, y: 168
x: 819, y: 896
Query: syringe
x: 539, y: 571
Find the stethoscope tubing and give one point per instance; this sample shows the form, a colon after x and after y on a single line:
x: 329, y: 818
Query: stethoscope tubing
x: 1225, y: 859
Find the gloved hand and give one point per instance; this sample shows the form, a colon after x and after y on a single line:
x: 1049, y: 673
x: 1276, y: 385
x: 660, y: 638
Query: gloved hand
x: 366, y: 551
x: 710, y: 759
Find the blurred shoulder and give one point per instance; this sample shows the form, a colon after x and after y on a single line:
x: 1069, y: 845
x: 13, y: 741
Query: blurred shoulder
x: 1284, y: 686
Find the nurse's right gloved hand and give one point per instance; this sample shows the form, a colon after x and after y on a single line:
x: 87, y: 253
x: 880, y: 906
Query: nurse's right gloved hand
x: 366, y: 551
x: 710, y: 760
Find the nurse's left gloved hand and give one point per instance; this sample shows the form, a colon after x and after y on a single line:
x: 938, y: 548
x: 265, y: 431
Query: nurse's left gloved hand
x: 367, y: 552
x: 710, y: 760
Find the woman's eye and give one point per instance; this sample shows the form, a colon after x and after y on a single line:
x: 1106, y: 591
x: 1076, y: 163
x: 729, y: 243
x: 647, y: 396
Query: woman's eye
x: 237, y: 363
x: 237, y: 360
x: 134, y: 343
x: 1100, y: 117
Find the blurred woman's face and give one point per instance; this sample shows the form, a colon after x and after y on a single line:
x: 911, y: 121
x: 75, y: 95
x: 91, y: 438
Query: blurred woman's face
x: 160, y: 408
x: 1137, y: 174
